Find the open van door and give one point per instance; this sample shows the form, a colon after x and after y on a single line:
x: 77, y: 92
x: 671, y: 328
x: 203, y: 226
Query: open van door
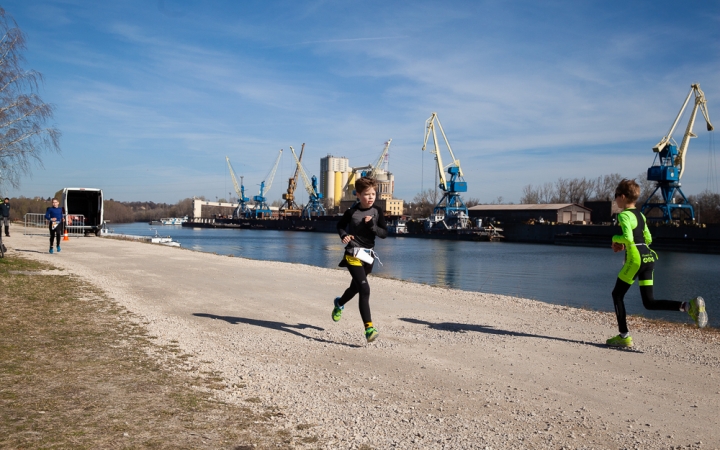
x: 84, y: 209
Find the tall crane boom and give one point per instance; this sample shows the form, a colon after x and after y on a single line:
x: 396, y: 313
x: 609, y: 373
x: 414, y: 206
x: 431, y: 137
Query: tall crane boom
x: 669, y: 164
x: 290, y: 206
x: 700, y: 103
x: 314, y: 206
x: 369, y: 170
x: 430, y: 131
x: 234, y: 178
x: 376, y: 168
x: 271, y: 175
x: 450, y: 211
x: 261, y: 208
x: 242, y: 209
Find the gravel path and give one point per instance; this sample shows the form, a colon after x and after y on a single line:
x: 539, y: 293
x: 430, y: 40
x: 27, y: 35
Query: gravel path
x: 451, y: 369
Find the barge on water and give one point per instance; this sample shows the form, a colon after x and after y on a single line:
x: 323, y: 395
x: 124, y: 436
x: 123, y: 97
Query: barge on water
x: 693, y: 239
x: 323, y: 224
x: 328, y: 224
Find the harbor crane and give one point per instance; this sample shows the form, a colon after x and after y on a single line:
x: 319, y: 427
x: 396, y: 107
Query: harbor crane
x: 376, y: 168
x: 261, y: 208
x: 450, y: 211
x: 669, y: 165
x: 314, y: 205
x: 242, y: 210
x: 290, y: 206
x: 369, y: 170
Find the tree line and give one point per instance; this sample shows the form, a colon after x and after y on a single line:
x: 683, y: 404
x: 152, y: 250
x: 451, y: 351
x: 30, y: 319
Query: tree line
x: 125, y: 212
x: 114, y: 211
x: 580, y: 190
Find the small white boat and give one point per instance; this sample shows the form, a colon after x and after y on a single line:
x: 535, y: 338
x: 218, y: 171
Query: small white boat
x: 164, y: 241
x: 157, y: 239
x: 397, y: 227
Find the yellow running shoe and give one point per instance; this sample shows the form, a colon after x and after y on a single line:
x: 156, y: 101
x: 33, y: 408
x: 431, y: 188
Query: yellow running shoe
x: 697, y: 312
x: 619, y: 341
x: 337, y: 310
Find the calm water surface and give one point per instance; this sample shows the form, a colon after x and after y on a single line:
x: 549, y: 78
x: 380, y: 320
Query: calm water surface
x: 576, y: 276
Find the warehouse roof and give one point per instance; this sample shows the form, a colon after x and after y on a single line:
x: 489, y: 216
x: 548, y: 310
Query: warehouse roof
x: 525, y: 207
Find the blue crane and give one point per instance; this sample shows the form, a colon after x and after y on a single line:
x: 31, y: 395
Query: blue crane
x: 450, y: 211
x: 669, y: 165
x: 242, y: 210
x: 314, y: 205
x: 261, y: 208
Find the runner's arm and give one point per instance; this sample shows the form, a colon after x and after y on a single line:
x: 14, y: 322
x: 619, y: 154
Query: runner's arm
x: 379, y: 226
x: 626, y: 226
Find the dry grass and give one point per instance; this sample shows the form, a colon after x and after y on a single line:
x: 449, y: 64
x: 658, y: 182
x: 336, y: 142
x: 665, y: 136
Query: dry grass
x: 75, y: 373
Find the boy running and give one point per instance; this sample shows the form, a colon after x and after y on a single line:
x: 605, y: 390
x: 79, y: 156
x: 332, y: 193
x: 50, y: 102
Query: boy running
x: 358, y: 228
x: 639, y: 263
x: 54, y: 215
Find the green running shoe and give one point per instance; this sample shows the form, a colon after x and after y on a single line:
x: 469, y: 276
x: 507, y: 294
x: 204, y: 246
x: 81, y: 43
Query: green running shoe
x: 337, y: 310
x: 619, y: 341
x: 371, y: 334
x: 697, y: 312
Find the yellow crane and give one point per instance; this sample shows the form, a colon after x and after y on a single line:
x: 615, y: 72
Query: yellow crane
x: 290, y: 207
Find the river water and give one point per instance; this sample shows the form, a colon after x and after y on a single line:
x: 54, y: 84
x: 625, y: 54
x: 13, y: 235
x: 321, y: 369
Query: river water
x: 575, y: 276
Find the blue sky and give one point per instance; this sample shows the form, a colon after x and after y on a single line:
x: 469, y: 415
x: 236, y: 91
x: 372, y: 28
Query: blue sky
x: 151, y: 95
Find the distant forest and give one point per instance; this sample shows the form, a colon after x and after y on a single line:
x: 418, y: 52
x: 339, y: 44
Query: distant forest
x: 580, y: 190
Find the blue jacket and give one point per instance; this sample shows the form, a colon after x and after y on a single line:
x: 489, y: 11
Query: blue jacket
x: 5, y: 209
x: 57, y: 213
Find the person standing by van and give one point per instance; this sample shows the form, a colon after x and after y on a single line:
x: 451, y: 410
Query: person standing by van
x: 54, y: 216
x: 5, y: 214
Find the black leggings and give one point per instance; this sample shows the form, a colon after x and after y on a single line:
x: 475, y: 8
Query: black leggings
x: 56, y: 233
x: 649, y: 302
x: 359, y: 285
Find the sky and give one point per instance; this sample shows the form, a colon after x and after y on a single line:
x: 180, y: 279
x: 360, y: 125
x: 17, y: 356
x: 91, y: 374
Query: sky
x: 150, y: 96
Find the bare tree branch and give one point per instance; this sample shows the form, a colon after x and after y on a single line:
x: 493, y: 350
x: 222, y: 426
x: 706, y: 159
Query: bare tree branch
x: 23, y: 115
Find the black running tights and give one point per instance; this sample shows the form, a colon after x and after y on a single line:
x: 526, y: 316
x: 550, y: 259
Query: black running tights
x: 649, y: 302
x: 359, y: 285
x: 56, y: 233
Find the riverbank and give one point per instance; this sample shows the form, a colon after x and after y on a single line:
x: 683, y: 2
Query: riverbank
x: 79, y: 371
x: 451, y: 369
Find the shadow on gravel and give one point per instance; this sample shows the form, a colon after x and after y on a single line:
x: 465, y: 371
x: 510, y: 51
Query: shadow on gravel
x: 281, y: 326
x: 28, y: 251
x: 460, y: 327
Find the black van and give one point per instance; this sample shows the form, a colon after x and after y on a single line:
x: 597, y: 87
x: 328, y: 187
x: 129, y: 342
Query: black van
x: 84, y: 209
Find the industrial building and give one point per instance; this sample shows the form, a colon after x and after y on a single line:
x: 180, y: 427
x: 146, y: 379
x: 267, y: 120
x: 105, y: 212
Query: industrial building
x: 550, y: 212
x: 334, y: 173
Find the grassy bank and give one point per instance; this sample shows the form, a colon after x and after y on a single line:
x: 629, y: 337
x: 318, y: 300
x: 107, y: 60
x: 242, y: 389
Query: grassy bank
x: 75, y: 373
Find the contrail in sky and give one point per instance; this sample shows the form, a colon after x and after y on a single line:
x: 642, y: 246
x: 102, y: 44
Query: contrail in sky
x: 350, y: 40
